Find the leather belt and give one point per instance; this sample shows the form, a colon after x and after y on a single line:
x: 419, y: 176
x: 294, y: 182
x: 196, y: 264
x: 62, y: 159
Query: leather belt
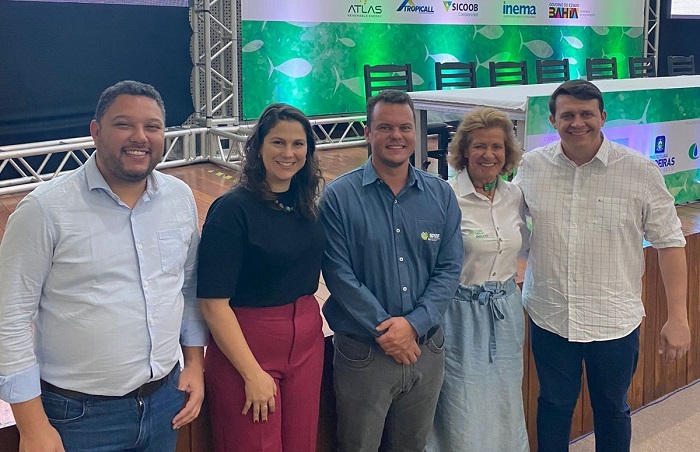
x: 421, y: 340
x: 426, y: 337
x: 141, y: 392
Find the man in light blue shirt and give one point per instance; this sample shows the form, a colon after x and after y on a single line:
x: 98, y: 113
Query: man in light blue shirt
x: 392, y: 265
x: 102, y: 262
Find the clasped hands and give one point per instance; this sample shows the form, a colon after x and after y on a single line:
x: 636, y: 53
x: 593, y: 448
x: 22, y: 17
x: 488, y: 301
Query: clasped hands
x: 399, y: 340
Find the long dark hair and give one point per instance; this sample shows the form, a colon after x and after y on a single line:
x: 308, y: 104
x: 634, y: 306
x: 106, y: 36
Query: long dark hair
x: 306, y: 182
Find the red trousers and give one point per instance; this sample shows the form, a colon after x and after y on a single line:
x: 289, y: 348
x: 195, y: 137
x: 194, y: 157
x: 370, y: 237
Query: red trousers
x: 287, y: 342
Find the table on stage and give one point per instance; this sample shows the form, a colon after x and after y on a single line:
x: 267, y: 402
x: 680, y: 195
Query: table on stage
x: 513, y: 99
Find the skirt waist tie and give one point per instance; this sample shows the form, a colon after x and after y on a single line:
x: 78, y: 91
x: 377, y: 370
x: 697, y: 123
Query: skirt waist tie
x: 486, y: 294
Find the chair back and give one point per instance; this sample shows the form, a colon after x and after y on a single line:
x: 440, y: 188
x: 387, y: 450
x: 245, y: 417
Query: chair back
x: 455, y: 75
x: 601, y: 68
x: 552, y: 71
x: 387, y: 76
x: 642, y: 67
x: 508, y: 73
x: 681, y: 65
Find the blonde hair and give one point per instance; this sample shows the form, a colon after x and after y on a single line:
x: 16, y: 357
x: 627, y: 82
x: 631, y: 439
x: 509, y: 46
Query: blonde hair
x: 484, y: 118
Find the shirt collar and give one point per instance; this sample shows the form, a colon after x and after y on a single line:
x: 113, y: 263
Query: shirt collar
x: 95, y: 179
x: 370, y: 176
x: 603, y: 153
x: 466, y: 186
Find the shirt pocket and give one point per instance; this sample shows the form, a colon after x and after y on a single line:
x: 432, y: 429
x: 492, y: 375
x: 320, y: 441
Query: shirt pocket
x: 609, y: 213
x: 172, y: 244
x: 429, y: 235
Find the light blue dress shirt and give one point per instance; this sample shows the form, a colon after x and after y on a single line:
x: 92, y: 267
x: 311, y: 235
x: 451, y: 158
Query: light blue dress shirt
x: 389, y: 256
x: 110, y: 290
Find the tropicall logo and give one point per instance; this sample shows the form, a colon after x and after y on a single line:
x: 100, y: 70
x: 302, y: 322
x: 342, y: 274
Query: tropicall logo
x: 461, y: 7
x: 364, y: 9
x: 409, y: 7
x: 510, y: 9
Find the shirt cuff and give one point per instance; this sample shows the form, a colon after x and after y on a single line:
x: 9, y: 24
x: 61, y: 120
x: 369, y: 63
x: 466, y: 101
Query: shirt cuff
x: 22, y: 386
x: 194, y: 333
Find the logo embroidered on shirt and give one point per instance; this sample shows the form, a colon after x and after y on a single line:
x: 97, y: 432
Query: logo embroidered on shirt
x: 430, y: 236
x: 477, y: 233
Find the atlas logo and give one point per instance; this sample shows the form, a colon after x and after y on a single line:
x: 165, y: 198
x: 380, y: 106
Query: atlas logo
x: 364, y: 9
x: 408, y: 6
x: 693, y: 151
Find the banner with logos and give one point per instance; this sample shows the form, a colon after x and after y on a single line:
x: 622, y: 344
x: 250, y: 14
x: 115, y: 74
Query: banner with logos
x: 663, y: 124
x: 620, y: 13
x: 311, y: 53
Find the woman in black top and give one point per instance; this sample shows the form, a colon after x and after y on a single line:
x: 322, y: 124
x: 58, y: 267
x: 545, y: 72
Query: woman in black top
x: 259, y: 265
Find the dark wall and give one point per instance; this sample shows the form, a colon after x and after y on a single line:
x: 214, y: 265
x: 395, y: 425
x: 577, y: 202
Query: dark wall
x: 56, y: 59
x: 677, y: 37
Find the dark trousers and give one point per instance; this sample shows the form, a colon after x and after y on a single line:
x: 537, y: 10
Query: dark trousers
x: 610, y: 366
x: 381, y: 404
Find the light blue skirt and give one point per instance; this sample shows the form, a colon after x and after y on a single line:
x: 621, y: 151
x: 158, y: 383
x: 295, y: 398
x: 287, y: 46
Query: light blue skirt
x: 481, y: 406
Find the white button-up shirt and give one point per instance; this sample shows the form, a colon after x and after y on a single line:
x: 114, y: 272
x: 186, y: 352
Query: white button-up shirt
x: 584, y: 274
x: 113, y: 288
x: 493, y: 232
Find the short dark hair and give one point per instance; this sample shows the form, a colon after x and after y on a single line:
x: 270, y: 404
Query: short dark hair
x: 128, y: 87
x: 305, y: 183
x: 484, y: 118
x: 580, y: 89
x: 388, y: 96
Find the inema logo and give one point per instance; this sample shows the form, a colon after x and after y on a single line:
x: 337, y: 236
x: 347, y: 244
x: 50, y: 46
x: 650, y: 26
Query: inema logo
x: 510, y: 9
x: 693, y: 151
x: 408, y: 6
x: 563, y: 13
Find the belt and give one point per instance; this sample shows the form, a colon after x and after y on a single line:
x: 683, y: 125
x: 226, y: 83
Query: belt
x: 421, y: 340
x: 426, y: 337
x: 141, y: 392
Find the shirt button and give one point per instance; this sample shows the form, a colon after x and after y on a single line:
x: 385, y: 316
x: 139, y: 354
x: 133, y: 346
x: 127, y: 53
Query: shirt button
x: 493, y: 274
x: 405, y: 289
x: 401, y: 259
x: 145, y: 284
x: 396, y: 201
x: 139, y: 246
x: 398, y: 230
x: 500, y: 240
x: 500, y: 251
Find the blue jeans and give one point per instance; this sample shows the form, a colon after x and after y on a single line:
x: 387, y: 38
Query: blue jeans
x: 377, y: 396
x: 130, y: 424
x: 610, y: 366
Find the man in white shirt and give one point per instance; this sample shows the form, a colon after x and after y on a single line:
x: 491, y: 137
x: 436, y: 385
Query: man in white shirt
x: 591, y: 202
x: 102, y: 261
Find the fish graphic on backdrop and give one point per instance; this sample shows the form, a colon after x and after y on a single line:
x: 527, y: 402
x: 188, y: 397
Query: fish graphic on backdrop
x: 489, y: 31
x: 294, y: 68
x: 440, y: 57
x: 252, y: 46
x: 354, y: 84
x: 537, y: 46
x: 572, y: 40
